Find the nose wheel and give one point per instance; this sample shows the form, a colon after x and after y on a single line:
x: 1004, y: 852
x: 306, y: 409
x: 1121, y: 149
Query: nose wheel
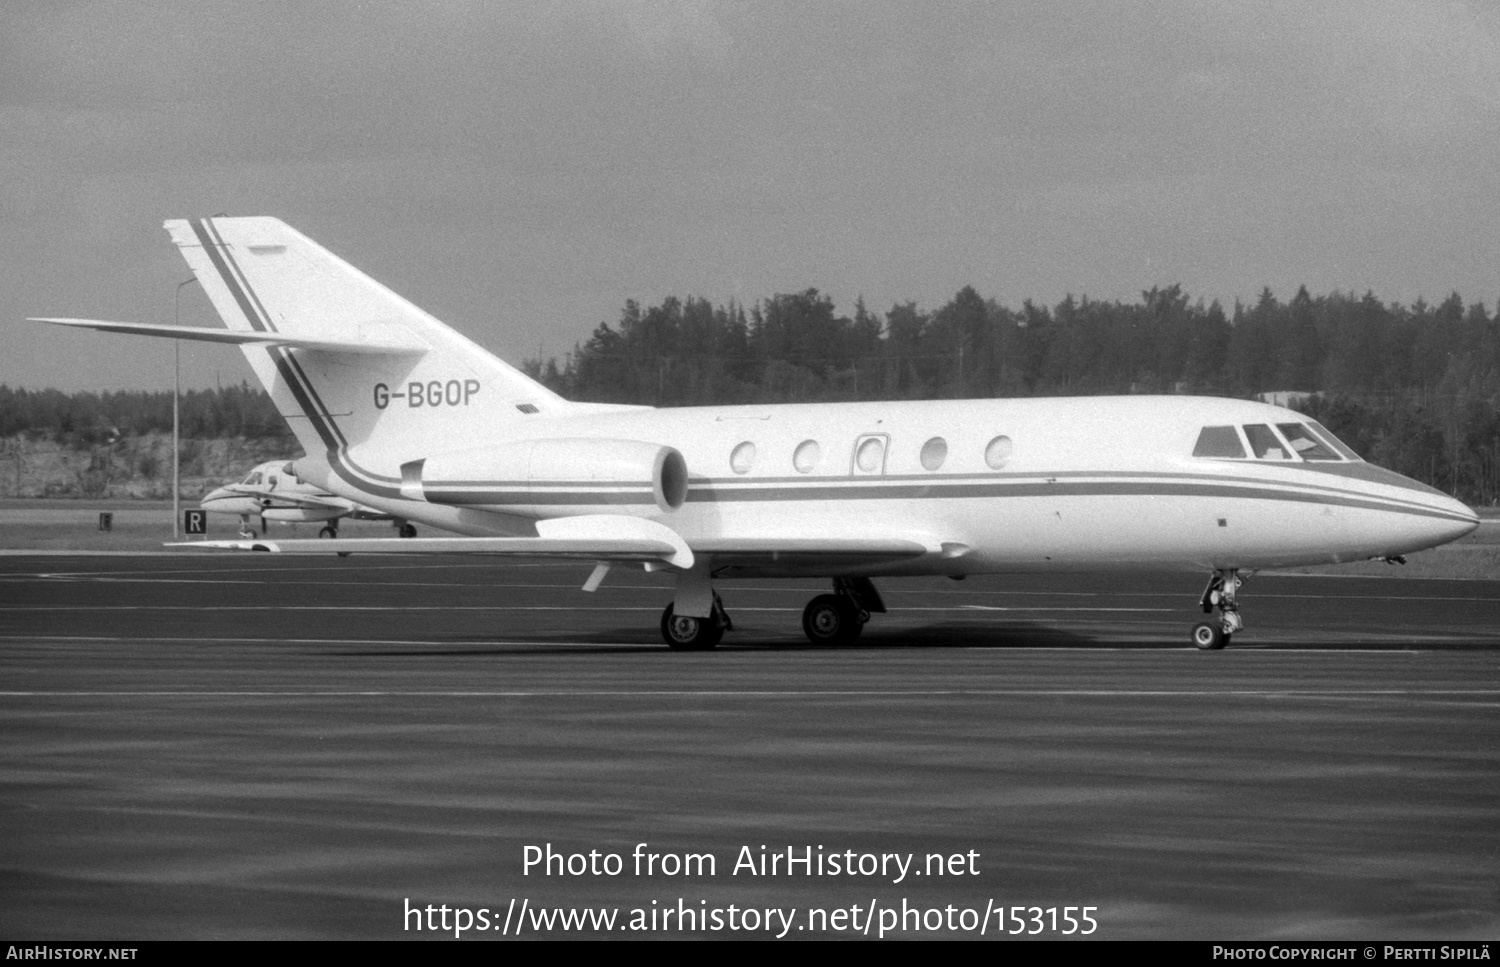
x: 1219, y: 596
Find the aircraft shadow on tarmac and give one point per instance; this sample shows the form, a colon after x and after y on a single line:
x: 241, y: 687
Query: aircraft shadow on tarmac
x: 953, y: 635
x: 633, y: 640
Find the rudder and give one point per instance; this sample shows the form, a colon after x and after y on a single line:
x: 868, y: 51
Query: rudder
x: 262, y: 275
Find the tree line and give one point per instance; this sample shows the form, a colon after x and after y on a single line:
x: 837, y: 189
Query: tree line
x: 89, y: 418
x: 1415, y: 388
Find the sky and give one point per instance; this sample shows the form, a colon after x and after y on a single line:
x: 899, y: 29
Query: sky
x: 521, y: 169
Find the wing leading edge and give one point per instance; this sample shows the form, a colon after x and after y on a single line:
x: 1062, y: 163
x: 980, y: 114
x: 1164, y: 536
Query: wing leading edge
x: 615, y: 538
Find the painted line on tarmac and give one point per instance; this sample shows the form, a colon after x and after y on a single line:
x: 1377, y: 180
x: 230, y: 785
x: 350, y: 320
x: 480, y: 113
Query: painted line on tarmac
x: 45, y: 608
x: 767, y: 693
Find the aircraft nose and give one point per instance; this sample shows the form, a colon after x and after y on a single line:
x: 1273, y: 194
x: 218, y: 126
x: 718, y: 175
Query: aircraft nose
x: 1461, y: 522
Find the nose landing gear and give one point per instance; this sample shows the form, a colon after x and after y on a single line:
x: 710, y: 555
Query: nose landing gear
x: 1220, y: 594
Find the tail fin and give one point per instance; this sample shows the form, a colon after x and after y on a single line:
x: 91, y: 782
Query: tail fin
x: 263, y: 276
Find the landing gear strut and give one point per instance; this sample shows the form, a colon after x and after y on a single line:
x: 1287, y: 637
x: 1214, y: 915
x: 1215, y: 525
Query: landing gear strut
x: 246, y: 531
x: 1214, y: 634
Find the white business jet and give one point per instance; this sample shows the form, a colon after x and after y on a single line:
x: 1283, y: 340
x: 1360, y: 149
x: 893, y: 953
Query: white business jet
x: 402, y: 414
x: 273, y: 491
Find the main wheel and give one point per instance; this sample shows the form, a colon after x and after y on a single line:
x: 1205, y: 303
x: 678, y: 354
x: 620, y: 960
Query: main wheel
x: 328, y: 532
x: 408, y: 530
x: 1209, y: 636
x: 831, y: 619
x: 683, y: 633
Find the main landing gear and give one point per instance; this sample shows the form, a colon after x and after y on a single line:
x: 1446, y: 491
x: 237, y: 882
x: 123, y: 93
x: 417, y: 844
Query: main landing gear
x: 838, y: 618
x: 828, y: 619
x: 330, y: 530
x: 1214, y: 634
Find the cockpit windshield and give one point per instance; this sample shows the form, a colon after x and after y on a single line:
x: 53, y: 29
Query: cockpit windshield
x: 1307, y: 446
x: 253, y: 480
x: 1286, y: 442
x: 1265, y: 444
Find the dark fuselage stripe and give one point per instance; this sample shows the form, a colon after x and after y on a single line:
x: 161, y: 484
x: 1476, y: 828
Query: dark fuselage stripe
x: 939, y: 491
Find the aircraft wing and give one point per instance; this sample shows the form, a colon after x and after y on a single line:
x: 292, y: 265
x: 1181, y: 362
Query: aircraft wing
x: 386, y: 341
x: 619, y: 538
x: 598, y: 549
x: 600, y: 537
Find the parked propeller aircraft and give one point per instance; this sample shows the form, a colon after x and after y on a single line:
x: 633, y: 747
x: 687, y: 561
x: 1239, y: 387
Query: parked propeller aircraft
x: 402, y: 414
x: 273, y: 491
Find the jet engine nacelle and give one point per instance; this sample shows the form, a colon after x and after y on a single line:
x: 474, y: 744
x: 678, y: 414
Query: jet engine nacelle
x: 554, y: 478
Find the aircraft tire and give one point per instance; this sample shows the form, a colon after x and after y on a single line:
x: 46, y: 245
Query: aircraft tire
x: 831, y: 619
x: 689, y: 634
x: 328, y: 532
x: 1209, y: 636
x: 408, y: 530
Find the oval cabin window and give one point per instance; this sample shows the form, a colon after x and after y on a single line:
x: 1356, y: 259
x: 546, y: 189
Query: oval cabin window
x: 743, y: 457
x: 934, y: 452
x: 997, y: 454
x: 807, y: 456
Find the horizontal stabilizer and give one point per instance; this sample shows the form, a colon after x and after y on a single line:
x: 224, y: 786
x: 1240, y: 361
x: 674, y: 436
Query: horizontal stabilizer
x: 389, y: 342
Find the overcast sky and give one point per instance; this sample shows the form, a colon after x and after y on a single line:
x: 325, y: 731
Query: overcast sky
x: 521, y: 169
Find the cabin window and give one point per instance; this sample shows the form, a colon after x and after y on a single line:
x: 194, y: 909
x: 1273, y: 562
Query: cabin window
x: 934, y: 452
x: 997, y: 453
x: 1219, y: 441
x: 1321, y: 432
x: 1264, y: 443
x: 807, y: 455
x: 1304, y: 443
x: 870, y: 454
x: 742, y: 458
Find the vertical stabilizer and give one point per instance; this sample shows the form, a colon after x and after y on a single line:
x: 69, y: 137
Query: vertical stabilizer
x: 366, y: 412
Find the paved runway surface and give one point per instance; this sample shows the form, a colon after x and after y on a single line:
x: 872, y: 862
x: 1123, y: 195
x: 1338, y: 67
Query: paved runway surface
x: 250, y: 746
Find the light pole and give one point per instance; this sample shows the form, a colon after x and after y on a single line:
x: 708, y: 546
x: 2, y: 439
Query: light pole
x: 176, y: 394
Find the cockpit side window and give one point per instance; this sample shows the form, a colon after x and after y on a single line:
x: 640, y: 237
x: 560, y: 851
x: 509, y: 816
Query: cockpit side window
x: 1321, y: 432
x: 1306, y: 445
x: 252, y: 480
x: 1219, y: 441
x: 1264, y: 443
